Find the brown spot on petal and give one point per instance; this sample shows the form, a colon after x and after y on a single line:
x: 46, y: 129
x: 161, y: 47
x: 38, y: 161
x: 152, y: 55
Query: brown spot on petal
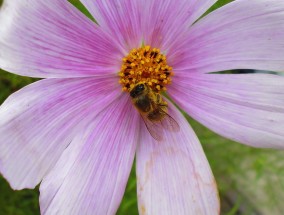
x: 143, y: 210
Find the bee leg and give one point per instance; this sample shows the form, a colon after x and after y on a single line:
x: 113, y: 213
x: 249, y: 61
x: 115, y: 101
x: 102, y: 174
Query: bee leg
x: 163, y: 105
x: 160, y: 101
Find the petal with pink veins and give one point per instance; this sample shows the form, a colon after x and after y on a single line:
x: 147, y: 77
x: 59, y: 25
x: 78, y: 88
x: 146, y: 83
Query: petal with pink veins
x: 91, y: 176
x: 240, y: 35
x: 39, y: 122
x: 54, y: 39
x: 173, y: 176
x: 159, y: 23
x: 165, y: 22
x: 247, y: 108
x: 121, y: 18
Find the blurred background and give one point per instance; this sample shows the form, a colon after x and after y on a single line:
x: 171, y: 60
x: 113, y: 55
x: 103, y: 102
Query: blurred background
x: 250, y: 181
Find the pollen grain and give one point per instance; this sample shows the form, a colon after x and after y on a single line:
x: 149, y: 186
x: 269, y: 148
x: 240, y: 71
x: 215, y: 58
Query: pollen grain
x: 145, y: 65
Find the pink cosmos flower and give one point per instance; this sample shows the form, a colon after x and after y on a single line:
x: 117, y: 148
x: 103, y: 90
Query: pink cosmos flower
x: 77, y: 133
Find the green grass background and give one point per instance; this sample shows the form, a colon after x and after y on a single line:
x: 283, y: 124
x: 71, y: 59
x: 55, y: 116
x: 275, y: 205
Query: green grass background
x: 250, y: 181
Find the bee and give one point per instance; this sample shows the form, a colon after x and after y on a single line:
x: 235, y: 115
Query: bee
x: 154, y: 110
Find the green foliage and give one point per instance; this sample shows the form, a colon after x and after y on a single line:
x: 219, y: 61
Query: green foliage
x: 23, y: 202
x: 10, y: 83
x: 129, y: 202
x: 219, y: 3
x: 82, y: 8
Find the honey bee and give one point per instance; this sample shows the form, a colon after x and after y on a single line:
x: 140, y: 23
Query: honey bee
x: 154, y: 110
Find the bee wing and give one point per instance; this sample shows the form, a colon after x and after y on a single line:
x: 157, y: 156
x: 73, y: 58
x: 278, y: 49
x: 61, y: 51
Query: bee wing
x: 154, y: 128
x: 169, y: 122
x: 157, y: 128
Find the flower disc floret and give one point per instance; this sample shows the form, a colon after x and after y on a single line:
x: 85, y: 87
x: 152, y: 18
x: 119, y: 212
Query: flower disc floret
x: 145, y: 65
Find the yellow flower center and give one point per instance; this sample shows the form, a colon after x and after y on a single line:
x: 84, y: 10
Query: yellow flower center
x: 145, y: 65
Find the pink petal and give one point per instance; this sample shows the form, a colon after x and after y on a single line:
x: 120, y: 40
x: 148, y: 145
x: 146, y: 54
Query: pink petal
x: 159, y: 23
x: 121, y: 18
x: 165, y: 22
x: 91, y: 175
x: 173, y: 176
x: 247, y: 108
x: 39, y: 122
x: 54, y: 39
x: 240, y: 35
